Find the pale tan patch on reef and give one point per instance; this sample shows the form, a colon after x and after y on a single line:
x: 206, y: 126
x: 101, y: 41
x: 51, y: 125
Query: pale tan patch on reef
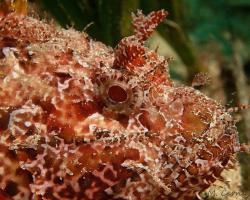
x: 229, y: 190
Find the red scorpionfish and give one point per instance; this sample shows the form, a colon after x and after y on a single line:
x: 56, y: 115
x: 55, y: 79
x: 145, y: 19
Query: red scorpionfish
x: 81, y: 121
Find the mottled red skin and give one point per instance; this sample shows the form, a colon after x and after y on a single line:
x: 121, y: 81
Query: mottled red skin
x: 81, y: 121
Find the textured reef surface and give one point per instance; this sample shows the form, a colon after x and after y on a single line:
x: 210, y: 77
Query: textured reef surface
x: 80, y: 120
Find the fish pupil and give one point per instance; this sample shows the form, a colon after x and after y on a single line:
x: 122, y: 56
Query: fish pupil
x: 117, y: 94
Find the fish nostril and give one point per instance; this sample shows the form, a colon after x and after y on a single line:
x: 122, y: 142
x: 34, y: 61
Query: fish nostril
x: 117, y: 94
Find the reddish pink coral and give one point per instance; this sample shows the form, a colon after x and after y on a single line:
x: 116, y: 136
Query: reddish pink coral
x: 81, y: 121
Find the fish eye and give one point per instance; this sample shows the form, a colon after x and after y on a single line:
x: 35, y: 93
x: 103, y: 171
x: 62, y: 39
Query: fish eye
x: 117, y: 94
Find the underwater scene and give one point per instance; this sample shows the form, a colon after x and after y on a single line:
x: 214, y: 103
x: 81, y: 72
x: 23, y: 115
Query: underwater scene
x: 124, y: 100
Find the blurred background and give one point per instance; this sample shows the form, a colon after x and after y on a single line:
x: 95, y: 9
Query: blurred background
x: 201, y: 36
